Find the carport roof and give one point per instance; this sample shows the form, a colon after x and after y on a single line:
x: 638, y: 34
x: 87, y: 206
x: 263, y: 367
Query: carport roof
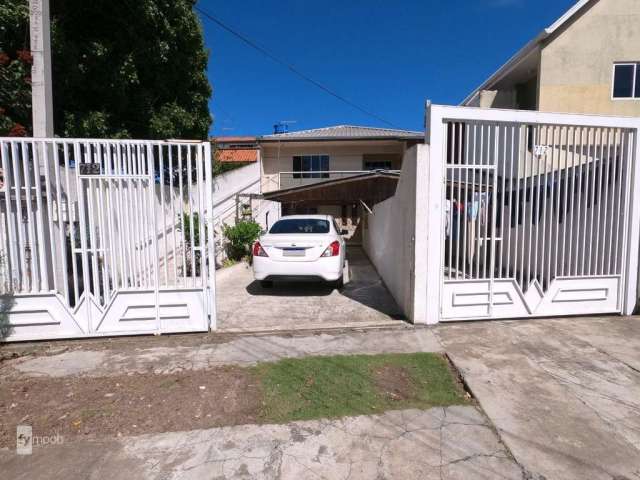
x: 370, y: 187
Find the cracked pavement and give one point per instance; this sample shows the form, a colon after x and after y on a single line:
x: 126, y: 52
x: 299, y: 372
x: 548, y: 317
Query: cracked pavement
x: 243, y: 351
x: 564, y: 394
x: 440, y: 443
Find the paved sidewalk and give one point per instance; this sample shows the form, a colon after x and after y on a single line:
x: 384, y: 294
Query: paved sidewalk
x: 564, y: 394
x: 244, y: 350
x: 451, y: 443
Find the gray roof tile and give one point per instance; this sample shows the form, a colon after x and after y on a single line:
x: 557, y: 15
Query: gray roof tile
x: 345, y: 132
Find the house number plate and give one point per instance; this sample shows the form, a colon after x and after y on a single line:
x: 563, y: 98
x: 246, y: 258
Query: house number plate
x: 89, y: 169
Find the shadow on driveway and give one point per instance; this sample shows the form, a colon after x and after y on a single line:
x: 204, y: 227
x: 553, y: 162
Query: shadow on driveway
x: 243, y: 304
x: 291, y: 289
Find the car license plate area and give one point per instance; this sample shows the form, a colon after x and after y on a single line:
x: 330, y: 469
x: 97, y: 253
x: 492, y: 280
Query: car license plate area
x: 293, y: 252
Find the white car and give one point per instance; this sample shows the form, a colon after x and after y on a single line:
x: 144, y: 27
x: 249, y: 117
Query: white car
x: 307, y: 247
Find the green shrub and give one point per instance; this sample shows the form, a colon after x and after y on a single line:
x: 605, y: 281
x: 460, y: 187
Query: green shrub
x: 241, y: 237
x: 228, y: 262
x: 186, y: 222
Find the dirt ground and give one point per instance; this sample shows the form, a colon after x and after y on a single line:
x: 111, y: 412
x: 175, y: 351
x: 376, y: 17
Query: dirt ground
x: 394, y: 382
x: 81, y: 407
x: 128, y: 405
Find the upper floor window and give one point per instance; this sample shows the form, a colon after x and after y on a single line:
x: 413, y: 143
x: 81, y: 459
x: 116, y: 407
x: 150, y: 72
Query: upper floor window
x: 377, y: 165
x: 380, y: 161
x: 626, y: 80
x: 311, y: 166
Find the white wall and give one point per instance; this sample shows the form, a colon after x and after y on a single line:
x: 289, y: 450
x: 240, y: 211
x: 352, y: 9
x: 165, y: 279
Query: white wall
x: 244, y: 180
x: 395, y: 230
x: 225, y: 187
x: 343, y: 156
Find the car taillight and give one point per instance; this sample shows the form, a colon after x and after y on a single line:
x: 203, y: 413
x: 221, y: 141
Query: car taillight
x: 258, y: 251
x: 332, y: 250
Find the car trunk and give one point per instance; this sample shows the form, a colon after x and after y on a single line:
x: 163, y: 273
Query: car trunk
x: 294, y: 247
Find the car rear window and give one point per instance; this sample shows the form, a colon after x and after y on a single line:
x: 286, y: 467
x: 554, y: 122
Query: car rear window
x: 300, y: 225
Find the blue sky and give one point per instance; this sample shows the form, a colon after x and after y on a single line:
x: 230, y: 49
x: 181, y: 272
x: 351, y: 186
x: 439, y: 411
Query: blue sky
x: 386, y: 56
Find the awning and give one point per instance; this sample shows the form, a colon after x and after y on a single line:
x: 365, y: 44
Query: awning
x: 370, y: 187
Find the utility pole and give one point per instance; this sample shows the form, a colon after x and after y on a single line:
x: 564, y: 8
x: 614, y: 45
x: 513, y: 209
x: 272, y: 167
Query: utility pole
x: 41, y: 94
x: 42, y: 115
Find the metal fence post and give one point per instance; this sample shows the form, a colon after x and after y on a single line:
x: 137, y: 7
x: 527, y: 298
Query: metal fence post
x: 211, y: 253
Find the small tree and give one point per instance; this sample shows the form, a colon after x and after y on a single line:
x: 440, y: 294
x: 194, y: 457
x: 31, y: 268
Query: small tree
x: 241, y: 237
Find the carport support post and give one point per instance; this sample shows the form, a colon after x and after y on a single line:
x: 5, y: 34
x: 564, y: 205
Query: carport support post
x: 429, y: 222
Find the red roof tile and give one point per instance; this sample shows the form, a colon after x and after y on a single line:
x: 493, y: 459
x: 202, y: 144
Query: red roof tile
x: 237, y: 155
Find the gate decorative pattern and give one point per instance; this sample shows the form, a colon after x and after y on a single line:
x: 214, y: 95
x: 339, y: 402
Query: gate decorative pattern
x: 536, y: 218
x: 104, y: 237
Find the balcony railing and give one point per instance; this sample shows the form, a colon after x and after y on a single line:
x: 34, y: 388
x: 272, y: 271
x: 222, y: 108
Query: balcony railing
x: 300, y: 179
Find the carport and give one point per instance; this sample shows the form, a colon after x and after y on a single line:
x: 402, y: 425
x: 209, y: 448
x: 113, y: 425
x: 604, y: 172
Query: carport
x: 364, y: 301
x: 356, y: 193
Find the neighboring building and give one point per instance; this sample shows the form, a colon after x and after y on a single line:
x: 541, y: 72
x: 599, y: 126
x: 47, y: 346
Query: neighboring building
x: 588, y: 61
x: 334, y: 170
x: 236, y: 187
x: 236, y: 149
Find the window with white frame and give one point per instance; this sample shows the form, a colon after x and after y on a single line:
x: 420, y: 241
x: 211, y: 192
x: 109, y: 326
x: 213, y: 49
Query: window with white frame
x: 626, y: 80
x: 311, y: 166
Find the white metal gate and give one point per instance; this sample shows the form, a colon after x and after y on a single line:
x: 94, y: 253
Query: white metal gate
x: 536, y: 214
x: 105, y: 237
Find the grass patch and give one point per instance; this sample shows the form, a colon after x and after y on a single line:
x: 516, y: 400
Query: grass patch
x: 326, y: 387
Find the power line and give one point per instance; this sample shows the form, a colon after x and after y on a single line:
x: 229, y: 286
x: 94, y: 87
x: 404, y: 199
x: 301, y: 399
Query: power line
x: 289, y: 66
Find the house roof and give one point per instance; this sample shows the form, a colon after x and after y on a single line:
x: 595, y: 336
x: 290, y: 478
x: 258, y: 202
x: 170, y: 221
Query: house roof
x: 232, y: 139
x: 345, y: 132
x: 525, y: 52
x: 240, y: 155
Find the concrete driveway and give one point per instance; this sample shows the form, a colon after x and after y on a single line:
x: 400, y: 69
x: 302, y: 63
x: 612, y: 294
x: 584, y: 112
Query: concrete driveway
x: 564, y: 394
x: 243, y: 305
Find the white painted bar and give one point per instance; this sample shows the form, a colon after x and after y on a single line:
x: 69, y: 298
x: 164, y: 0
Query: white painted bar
x: 110, y: 271
x: 563, y: 194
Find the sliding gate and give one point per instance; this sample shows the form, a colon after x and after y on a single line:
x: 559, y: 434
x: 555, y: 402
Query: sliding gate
x: 104, y: 237
x: 536, y: 215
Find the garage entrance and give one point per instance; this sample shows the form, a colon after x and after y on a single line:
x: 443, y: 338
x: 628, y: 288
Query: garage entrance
x: 536, y: 213
x: 345, y: 198
x: 363, y: 301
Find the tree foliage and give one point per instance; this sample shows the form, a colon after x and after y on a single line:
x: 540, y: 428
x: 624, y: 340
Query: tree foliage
x: 15, y: 69
x: 121, y: 68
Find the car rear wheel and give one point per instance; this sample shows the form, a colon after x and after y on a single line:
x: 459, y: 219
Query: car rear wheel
x: 266, y: 283
x: 338, y: 284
